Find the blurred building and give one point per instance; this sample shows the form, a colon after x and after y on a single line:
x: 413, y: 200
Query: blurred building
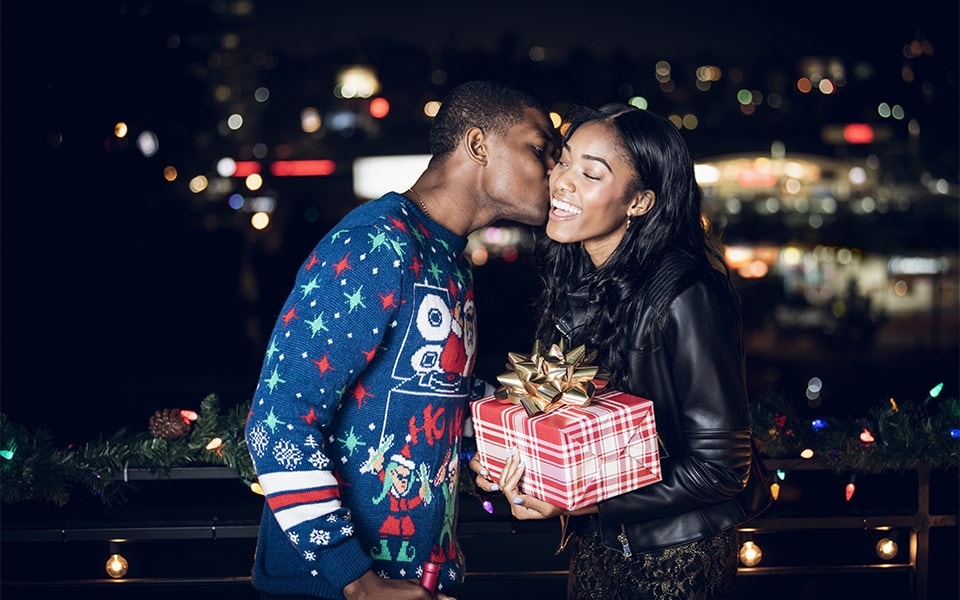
x: 190, y: 153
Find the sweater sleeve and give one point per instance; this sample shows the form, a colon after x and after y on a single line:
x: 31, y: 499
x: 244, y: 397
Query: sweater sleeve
x: 328, y: 330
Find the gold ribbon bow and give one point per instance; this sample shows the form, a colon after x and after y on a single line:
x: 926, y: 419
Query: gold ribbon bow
x: 544, y: 382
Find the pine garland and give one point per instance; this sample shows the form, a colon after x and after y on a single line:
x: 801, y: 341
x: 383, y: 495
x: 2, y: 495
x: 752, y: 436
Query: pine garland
x: 889, y: 437
x: 32, y: 468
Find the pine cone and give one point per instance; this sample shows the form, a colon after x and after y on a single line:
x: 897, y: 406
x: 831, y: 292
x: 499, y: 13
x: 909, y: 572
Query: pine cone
x: 168, y: 424
x: 917, y: 412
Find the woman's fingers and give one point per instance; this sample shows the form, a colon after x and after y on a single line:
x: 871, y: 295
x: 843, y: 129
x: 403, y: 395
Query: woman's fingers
x: 475, y: 464
x: 482, y: 480
x: 532, y: 508
x: 510, y: 479
x: 523, y: 506
x: 509, y: 476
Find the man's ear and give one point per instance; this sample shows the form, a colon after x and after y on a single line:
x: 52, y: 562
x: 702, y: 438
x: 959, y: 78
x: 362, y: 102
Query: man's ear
x: 642, y: 203
x: 475, y: 143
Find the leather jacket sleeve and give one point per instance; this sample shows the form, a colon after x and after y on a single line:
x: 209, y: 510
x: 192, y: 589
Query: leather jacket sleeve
x: 695, y: 377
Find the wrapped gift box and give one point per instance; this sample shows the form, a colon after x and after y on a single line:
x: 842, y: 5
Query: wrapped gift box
x: 573, y: 455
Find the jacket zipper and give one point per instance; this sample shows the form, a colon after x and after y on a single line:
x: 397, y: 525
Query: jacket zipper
x: 624, y: 541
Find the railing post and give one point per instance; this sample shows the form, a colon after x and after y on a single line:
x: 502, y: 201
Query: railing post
x: 922, y: 564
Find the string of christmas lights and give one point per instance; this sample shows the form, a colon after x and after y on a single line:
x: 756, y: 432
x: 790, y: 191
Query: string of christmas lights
x: 891, y: 436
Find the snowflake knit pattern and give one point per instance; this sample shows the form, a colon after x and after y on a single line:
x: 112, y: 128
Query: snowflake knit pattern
x: 355, y: 425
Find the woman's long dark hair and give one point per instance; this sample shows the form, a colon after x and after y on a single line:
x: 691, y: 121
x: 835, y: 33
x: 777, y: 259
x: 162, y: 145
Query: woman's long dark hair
x: 637, y: 273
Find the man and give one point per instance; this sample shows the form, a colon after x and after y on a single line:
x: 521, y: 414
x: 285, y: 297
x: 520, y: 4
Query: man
x: 355, y: 424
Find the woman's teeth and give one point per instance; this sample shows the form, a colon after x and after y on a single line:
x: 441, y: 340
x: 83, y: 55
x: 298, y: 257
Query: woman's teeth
x: 566, y: 207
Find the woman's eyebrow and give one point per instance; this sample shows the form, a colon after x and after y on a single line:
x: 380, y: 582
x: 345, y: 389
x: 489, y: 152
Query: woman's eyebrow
x: 598, y: 159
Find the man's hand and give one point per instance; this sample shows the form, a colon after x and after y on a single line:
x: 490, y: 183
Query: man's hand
x: 370, y: 587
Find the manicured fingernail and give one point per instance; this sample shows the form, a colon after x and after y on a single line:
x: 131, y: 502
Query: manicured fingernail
x: 494, y: 488
x: 511, y: 452
x: 484, y: 472
x: 518, y: 500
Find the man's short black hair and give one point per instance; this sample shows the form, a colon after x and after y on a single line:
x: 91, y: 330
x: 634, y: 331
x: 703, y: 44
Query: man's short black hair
x: 491, y: 106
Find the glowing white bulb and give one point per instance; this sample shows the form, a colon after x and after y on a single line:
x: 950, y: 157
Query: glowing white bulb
x: 750, y: 554
x: 116, y: 566
x: 886, y: 548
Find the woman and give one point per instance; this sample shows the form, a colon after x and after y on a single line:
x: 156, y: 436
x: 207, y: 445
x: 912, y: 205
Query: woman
x: 628, y: 270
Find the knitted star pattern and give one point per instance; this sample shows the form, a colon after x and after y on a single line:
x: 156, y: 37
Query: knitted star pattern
x: 355, y: 425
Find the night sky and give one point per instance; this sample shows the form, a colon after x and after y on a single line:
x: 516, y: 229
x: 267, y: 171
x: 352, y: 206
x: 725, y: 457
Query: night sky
x: 119, y: 298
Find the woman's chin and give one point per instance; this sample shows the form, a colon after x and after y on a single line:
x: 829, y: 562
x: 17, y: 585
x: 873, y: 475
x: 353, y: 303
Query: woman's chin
x: 555, y: 231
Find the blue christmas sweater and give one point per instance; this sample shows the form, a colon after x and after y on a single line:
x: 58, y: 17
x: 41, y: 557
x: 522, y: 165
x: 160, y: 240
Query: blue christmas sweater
x: 355, y: 425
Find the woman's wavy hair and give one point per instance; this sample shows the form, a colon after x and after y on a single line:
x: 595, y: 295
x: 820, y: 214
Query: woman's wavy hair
x: 636, y: 274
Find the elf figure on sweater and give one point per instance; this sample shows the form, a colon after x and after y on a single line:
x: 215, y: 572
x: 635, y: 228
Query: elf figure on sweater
x: 398, y: 479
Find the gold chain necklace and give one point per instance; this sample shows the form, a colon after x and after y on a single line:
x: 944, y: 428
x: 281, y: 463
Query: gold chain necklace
x: 423, y: 207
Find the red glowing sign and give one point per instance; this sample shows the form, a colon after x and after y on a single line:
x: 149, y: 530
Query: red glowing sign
x: 858, y: 133
x: 301, y: 168
x: 246, y: 167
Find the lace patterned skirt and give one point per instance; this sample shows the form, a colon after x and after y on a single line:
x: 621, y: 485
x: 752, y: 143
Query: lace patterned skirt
x: 700, y: 570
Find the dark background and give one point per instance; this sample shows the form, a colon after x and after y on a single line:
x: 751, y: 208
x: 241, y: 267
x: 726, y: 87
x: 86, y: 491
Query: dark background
x: 121, y: 292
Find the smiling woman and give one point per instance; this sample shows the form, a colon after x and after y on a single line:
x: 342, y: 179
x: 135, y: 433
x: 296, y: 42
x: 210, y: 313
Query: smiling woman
x: 630, y: 272
x: 595, y: 192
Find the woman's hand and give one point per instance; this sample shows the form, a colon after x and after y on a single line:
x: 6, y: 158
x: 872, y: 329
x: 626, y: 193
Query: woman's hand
x: 483, y: 482
x: 523, y: 506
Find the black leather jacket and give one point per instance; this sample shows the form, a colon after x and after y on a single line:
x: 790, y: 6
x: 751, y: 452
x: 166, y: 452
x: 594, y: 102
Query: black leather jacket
x: 694, y: 374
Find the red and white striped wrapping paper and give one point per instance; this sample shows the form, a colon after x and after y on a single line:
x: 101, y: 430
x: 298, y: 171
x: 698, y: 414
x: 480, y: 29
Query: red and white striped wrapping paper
x: 573, y: 456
